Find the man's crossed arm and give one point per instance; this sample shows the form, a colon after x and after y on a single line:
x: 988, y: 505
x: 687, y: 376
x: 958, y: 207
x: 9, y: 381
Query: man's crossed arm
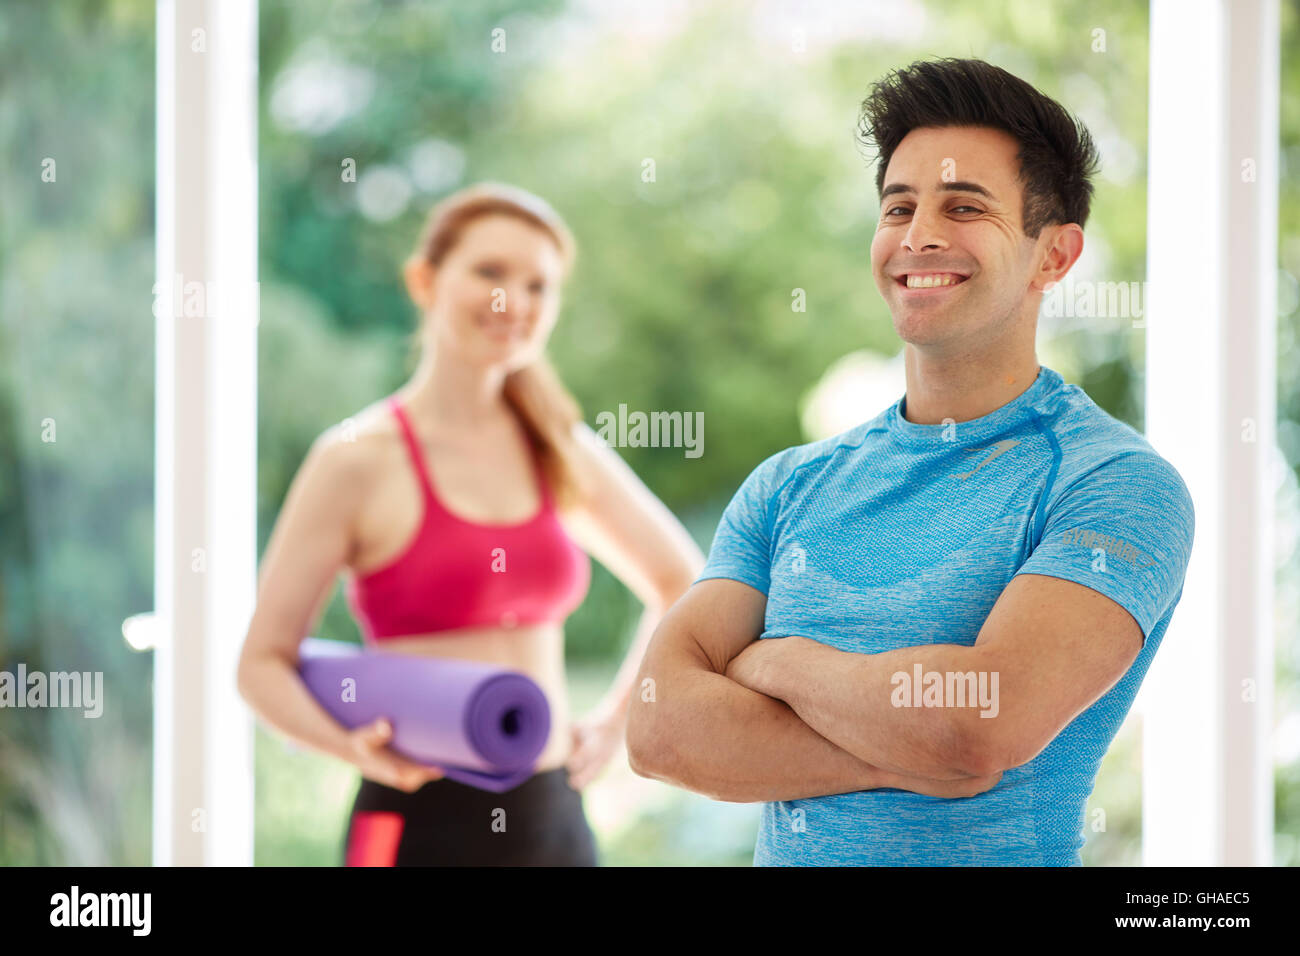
x: 692, y: 726
x: 741, y: 719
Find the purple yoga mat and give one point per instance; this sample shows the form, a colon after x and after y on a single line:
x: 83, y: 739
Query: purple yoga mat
x: 483, y: 725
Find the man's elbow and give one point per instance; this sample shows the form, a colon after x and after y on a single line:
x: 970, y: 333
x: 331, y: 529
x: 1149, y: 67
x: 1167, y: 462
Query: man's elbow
x: 653, y: 753
x: 651, y: 759
x: 646, y: 754
x: 642, y: 760
x: 985, y: 749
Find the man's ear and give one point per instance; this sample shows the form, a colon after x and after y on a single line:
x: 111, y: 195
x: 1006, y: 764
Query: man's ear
x: 1063, y: 251
x: 419, y: 274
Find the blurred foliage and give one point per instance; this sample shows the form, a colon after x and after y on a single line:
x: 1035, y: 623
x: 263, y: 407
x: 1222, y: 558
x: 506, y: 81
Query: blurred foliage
x: 680, y: 301
x: 76, y: 366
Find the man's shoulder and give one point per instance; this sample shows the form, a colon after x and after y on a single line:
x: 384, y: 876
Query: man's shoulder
x: 1090, y: 437
x: 1101, y: 453
x: 784, y: 464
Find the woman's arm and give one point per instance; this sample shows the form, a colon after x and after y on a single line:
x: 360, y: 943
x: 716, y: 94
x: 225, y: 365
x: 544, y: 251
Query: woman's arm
x: 633, y: 534
x: 309, y: 544
x: 641, y: 542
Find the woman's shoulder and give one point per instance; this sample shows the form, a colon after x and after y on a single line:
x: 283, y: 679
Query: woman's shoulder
x: 360, y: 444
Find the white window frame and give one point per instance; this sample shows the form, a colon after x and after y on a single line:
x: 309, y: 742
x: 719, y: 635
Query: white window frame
x: 205, y: 543
x: 1207, y: 704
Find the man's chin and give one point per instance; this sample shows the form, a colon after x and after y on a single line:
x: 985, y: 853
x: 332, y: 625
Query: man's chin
x: 923, y: 330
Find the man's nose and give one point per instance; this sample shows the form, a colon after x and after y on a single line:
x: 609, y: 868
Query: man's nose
x: 925, y: 231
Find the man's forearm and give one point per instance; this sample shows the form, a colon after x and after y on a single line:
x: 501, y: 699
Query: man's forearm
x: 853, y: 700
x: 704, y: 732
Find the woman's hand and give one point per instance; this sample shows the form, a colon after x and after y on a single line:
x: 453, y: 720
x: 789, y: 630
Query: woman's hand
x: 376, y: 762
x: 595, y: 739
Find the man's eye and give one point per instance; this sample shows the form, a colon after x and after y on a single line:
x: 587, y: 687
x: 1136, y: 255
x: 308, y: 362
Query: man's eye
x: 490, y: 271
x: 904, y: 209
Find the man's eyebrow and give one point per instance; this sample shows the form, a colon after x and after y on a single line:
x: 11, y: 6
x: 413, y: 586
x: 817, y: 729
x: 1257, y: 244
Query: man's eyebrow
x: 959, y: 186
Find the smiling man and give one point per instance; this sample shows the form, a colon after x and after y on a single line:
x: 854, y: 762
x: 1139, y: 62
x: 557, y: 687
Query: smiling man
x: 915, y: 641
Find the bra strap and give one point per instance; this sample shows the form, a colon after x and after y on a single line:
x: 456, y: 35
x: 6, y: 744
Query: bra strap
x: 412, y: 446
x: 417, y: 456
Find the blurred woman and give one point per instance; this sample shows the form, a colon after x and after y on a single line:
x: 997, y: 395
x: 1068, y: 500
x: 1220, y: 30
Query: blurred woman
x: 462, y: 508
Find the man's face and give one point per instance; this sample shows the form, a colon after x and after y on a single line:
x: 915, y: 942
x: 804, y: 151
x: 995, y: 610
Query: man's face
x: 950, y: 212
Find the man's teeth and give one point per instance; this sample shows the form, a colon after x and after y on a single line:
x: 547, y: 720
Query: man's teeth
x: 927, y: 282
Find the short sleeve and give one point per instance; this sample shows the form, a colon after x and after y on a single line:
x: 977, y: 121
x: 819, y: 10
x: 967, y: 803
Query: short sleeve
x: 1124, y: 529
x: 742, y: 545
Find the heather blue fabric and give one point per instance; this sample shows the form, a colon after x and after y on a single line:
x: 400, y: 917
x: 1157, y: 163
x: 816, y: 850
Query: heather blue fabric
x: 895, y: 534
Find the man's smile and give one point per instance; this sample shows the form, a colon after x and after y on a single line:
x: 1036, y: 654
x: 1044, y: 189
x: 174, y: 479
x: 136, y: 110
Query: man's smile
x: 928, y: 283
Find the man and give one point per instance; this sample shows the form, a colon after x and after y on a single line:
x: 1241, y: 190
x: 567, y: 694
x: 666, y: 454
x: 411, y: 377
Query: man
x: 915, y: 641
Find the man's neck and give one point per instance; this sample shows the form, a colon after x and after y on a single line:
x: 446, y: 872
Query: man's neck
x: 963, y: 387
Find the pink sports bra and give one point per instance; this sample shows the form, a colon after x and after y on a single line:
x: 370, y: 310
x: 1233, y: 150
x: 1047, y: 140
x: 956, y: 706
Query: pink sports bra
x: 462, y: 574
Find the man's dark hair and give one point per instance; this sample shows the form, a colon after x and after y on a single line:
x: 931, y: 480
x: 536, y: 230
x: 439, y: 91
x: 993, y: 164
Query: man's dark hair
x: 1057, y: 156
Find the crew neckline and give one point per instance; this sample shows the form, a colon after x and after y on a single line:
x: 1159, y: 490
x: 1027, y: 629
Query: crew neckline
x: 976, y: 429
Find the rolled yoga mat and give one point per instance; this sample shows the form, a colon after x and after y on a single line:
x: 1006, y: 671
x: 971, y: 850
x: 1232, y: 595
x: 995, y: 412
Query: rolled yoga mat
x: 483, y: 725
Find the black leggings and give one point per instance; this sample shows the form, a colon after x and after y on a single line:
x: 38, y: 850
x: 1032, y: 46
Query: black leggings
x: 446, y: 823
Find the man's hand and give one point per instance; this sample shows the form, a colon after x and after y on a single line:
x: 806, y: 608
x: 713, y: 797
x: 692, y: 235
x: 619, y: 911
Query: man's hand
x: 753, y: 666
x: 743, y: 667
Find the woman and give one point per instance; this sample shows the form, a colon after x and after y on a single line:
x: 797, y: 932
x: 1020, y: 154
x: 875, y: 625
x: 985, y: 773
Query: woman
x: 457, y: 507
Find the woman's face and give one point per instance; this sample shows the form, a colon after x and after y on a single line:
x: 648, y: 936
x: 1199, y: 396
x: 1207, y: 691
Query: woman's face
x: 496, y: 295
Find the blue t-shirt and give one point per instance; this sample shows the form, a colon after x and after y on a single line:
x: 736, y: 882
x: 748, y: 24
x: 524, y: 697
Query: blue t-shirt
x: 895, y: 534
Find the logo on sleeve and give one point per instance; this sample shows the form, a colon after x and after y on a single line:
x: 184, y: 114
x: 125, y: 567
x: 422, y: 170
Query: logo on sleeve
x: 997, y: 448
x: 1116, y: 547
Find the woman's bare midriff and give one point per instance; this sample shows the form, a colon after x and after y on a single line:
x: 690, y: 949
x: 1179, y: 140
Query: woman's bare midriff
x: 537, y: 651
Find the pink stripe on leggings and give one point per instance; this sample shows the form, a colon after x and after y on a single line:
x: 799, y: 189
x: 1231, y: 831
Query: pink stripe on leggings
x: 374, y: 840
